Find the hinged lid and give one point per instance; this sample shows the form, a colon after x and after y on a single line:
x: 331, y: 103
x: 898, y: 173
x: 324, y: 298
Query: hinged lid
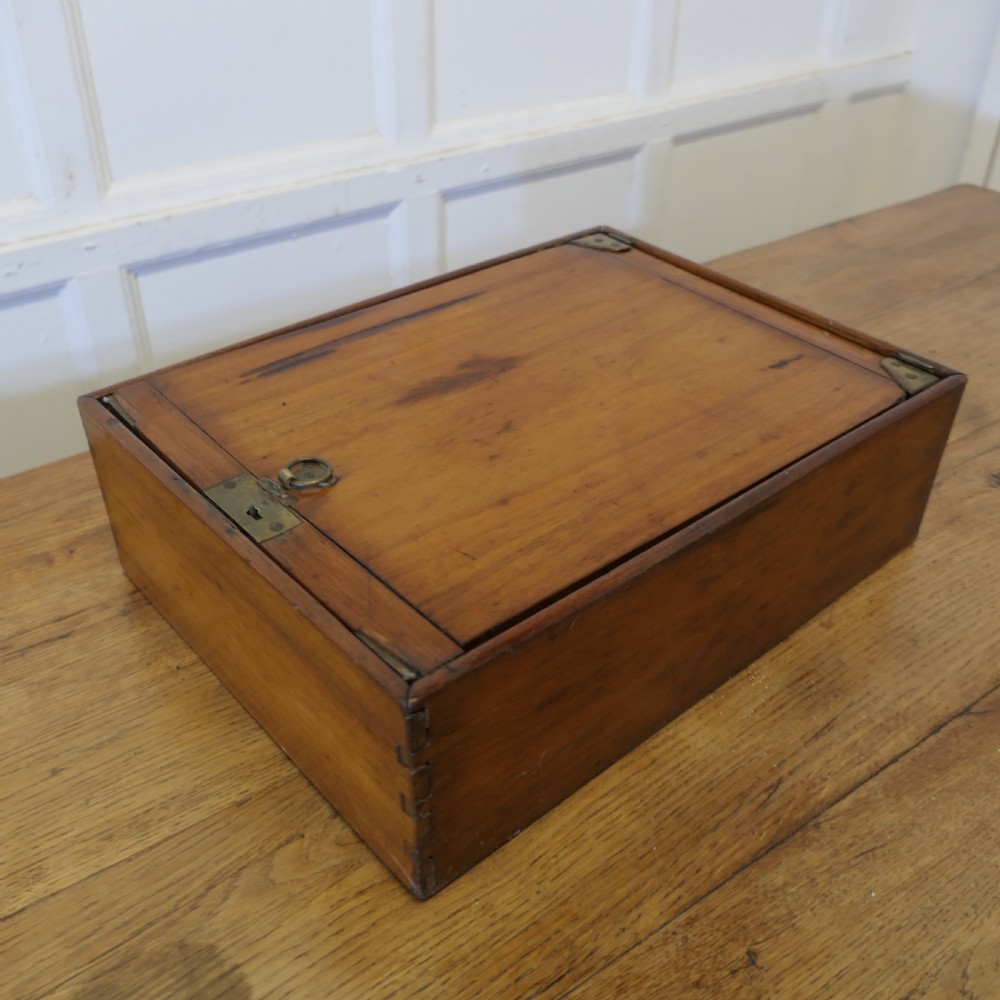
x: 506, y: 434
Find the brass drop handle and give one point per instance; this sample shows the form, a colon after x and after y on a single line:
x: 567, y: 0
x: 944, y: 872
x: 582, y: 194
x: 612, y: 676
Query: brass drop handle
x: 308, y: 473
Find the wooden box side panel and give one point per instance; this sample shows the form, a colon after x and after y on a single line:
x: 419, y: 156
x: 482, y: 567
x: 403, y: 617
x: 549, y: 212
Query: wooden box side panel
x: 513, y: 735
x: 295, y: 668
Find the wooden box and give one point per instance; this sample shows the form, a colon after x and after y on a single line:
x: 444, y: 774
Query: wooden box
x: 574, y: 490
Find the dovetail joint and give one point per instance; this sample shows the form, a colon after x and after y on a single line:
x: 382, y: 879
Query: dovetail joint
x: 120, y: 409
x: 418, y: 804
x: 418, y: 731
x: 421, y: 790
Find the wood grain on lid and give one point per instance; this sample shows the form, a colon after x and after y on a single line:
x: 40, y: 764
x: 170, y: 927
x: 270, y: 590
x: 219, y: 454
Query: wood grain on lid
x: 506, y: 434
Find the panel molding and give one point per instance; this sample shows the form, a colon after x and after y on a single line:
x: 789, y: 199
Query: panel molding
x: 416, y: 246
x: 224, y: 248
x: 404, y: 63
x: 138, y: 326
x: 503, y: 145
x: 481, y: 187
x: 652, y: 62
x: 754, y: 121
x: 88, y: 95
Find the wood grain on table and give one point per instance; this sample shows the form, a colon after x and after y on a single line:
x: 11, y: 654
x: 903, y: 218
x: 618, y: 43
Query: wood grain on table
x: 824, y: 825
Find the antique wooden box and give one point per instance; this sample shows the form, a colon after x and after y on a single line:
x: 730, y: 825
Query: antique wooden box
x: 572, y: 491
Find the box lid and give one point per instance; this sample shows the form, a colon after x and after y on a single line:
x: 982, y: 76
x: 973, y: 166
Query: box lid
x: 508, y: 433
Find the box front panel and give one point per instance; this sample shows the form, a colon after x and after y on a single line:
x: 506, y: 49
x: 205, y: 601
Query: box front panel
x: 540, y: 711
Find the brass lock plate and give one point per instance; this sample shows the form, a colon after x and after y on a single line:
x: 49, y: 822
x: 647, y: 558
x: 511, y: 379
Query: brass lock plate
x: 251, y: 507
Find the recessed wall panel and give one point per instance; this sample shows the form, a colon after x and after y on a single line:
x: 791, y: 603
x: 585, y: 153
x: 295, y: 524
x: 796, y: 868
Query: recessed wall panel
x: 874, y: 130
x: 495, y: 58
x: 490, y: 220
x: 189, y: 82
x: 736, y: 188
x: 765, y: 38
x: 15, y: 183
x: 874, y: 28
x: 40, y: 379
x: 217, y: 297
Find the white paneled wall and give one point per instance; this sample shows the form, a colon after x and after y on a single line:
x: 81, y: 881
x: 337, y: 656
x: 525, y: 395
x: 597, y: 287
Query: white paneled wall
x: 178, y: 176
x: 190, y: 82
x: 520, y: 55
x: 724, y: 43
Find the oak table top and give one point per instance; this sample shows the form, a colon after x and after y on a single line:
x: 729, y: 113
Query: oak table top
x: 824, y: 825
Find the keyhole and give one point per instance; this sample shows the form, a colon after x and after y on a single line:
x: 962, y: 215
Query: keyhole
x: 254, y: 513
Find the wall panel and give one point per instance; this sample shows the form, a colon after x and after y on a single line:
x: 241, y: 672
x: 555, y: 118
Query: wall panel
x: 23, y: 186
x: 730, y: 188
x: 871, y: 28
x: 506, y: 57
x: 489, y: 220
x: 46, y: 364
x: 874, y: 125
x: 214, y: 297
x: 718, y: 39
x: 15, y: 181
x: 189, y: 82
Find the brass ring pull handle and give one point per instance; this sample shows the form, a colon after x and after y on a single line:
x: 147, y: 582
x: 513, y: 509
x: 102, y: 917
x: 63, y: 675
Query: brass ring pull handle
x: 308, y: 473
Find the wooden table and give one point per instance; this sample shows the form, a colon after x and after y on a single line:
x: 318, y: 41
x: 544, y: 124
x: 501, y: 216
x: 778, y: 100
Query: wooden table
x: 826, y: 825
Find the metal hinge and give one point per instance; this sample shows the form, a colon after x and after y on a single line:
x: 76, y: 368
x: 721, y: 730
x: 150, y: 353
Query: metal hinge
x: 912, y: 373
x: 603, y: 241
x: 398, y: 664
x: 120, y: 409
